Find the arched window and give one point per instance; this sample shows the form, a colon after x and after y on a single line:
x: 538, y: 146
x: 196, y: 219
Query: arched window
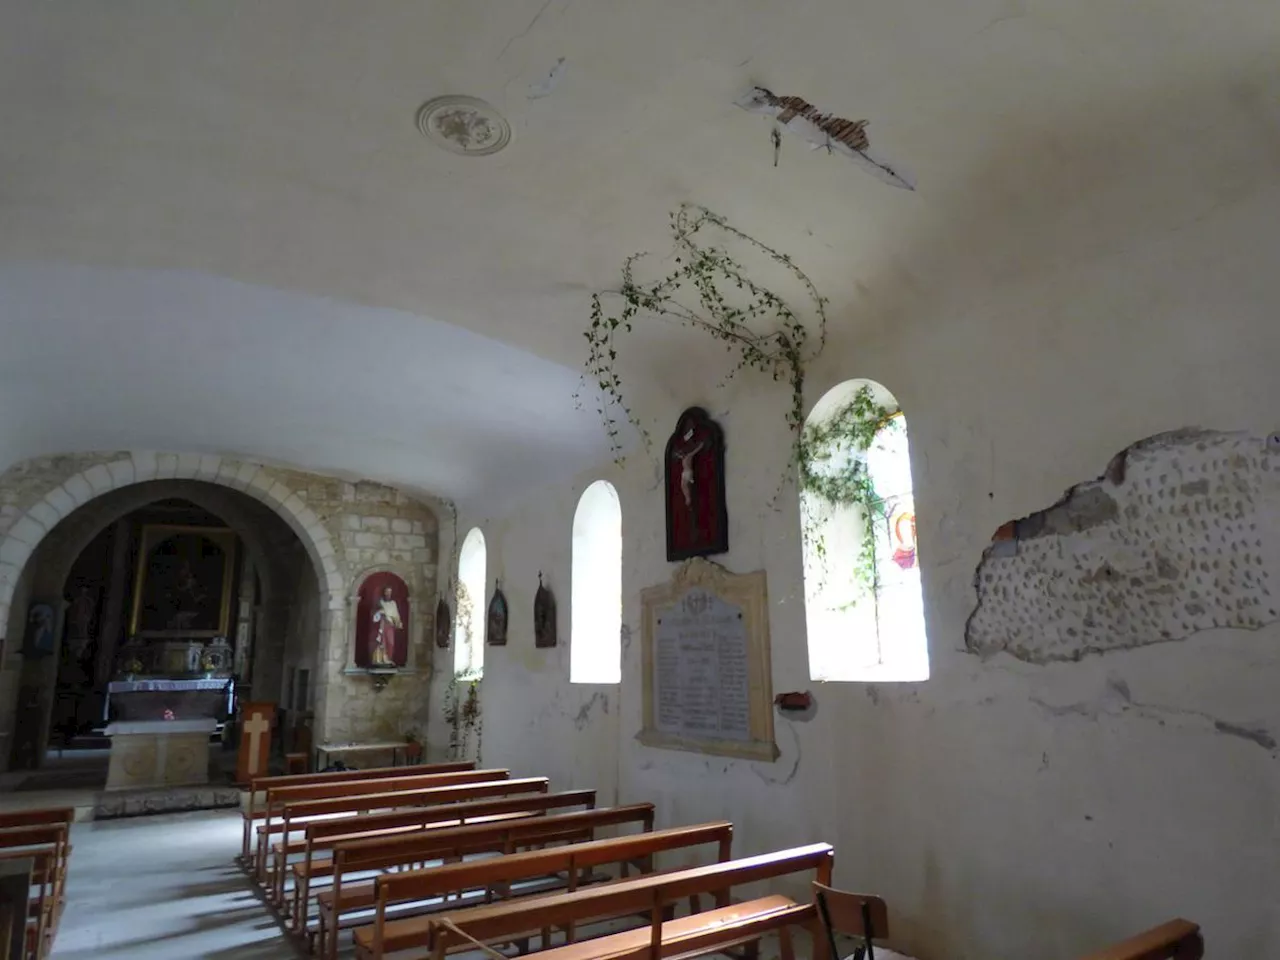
x: 595, y: 625
x: 468, y: 650
x: 863, y: 600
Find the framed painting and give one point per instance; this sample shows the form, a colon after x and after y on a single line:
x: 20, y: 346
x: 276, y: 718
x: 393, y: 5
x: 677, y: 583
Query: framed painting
x: 184, y: 581
x: 697, y: 514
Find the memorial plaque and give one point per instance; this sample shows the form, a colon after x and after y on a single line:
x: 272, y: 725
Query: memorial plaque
x: 707, y: 678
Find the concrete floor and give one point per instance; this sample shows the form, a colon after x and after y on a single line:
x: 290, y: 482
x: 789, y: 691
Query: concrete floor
x: 164, y: 888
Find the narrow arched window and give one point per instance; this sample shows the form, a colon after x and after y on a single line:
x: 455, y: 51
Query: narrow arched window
x: 469, y: 618
x: 595, y: 625
x: 863, y: 601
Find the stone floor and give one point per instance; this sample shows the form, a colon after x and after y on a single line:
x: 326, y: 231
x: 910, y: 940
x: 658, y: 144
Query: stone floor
x: 164, y: 888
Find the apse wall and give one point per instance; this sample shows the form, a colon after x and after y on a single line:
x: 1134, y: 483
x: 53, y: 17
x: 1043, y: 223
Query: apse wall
x: 1010, y: 805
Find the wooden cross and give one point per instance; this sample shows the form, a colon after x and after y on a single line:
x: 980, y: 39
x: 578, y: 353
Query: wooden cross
x: 255, y: 729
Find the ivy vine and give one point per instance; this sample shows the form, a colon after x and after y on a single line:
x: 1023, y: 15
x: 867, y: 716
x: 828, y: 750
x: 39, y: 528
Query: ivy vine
x: 708, y: 290
x: 833, y: 468
x: 462, y: 714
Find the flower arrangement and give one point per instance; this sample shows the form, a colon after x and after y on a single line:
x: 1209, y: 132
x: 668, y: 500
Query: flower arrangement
x: 169, y: 715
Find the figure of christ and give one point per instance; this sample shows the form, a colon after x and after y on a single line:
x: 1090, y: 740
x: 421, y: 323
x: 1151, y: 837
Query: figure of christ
x: 685, y: 455
x: 386, y: 621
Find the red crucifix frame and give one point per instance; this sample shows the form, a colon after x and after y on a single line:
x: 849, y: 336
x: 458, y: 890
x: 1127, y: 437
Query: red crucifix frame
x: 697, y: 514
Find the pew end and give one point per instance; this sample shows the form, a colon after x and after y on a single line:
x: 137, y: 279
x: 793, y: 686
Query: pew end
x: 1174, y: 940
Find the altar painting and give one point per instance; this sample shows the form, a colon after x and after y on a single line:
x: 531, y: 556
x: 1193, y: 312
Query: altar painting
x: 184, y: 580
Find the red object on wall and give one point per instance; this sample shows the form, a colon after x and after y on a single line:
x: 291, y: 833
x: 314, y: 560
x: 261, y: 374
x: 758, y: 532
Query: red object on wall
x: 375, y: 625
x: 697, y: 515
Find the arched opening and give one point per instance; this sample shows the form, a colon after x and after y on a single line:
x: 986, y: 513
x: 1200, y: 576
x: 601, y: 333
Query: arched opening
x: 863, y: 601
x: 178, y: 582
x: 469, y: 620
x: 595, y: 638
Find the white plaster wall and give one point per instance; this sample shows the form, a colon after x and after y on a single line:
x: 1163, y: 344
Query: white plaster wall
x: 1005, y: 809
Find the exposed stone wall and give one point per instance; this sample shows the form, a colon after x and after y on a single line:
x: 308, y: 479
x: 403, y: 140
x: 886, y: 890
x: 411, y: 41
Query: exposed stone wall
x: 1170, y: 542
x: 348, y: 529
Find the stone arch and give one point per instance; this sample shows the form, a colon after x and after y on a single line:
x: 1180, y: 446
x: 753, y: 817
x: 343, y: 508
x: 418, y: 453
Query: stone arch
x: 32, y: 525
x: 259, y: 482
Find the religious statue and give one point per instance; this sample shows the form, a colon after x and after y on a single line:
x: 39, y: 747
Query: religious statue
x: 497, y: 632
x: 697, y: 517
x: 382, y: 622
x: 544, y: 617
x: 385, y: 624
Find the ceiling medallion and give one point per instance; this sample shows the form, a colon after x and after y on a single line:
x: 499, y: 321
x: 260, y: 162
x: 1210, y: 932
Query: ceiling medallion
x: 464, y: 125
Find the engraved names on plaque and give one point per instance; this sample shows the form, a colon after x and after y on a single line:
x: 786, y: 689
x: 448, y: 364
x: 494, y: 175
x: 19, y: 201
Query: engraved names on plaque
x: 701, y: 679
x: 706, y: 663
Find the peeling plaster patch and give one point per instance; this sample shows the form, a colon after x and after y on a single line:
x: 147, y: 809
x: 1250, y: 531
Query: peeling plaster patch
x: 795, y: 767
x: 1174, y: 539
x: 584, y: 712
x: 1116, y: 700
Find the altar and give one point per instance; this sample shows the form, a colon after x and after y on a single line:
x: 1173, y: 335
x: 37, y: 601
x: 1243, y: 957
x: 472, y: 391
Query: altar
x: 159, y: 753
x: 149, y: 699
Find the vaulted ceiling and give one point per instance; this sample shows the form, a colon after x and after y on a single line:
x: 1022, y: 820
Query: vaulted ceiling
x: 220, y: 228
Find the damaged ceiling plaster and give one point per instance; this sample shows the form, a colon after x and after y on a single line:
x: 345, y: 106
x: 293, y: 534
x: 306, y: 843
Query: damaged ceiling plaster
x: 1171, y: 541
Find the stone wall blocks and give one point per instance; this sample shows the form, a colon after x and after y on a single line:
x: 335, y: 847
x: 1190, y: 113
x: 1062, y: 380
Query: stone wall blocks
x: 246, y: 474
x: 122, y: 472
x: 14, y: 552
x: 324, y: 546
x: 188, y: 465
x: 209, y: 467
x: 46, y: 514
x: 400, y: 525
x: 27, y: 530
x: 293, y: 504
x: 144, y: 465
x: 60, y: 500
x: 9, y: 573
x: 166, y: 466
x: 334, y: 583
x: 99, y: 478
x: 277, y: 493
x: 79, y: 489
x: 408, y: 541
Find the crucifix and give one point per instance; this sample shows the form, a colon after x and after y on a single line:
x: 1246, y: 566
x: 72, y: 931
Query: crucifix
x: 255, y: 741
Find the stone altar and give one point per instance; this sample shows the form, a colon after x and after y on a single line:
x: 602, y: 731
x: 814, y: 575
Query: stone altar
x: 147, y: 699
x: 159, y: 753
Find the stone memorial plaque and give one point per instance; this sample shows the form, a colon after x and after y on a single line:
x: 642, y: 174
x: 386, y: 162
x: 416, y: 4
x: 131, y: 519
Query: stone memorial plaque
x: 707, y: 678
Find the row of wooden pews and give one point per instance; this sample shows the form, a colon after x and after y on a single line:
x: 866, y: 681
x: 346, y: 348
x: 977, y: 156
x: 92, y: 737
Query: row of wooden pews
x: 43, y: 838
x: 439, y: 859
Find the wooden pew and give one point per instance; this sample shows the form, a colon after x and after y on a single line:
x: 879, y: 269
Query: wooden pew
x: 720, y: 928
x: 297, y: 816
x: 35, y: 818
x: 259, y: 785
x: 573, y: 860
x: 1174, y: 940
x: 278, y: 798
x: 323, y: 834
x: 48, y: 846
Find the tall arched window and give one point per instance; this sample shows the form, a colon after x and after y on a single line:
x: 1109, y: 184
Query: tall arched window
x: 468, y: 650
x: 595, y: 625
x: 863, y: 599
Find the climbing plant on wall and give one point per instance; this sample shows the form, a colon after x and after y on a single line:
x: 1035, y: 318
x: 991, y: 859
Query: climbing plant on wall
x: 709, y: 290
x: 833, y: 468
x: 462, y: 714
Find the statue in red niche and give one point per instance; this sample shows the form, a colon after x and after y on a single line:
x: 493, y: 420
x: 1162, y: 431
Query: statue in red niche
x: 697, y: 514
x: 382, y: 622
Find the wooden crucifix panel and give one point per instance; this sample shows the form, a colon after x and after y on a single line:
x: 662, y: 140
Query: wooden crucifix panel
x: 697, y: 514
x: 256, y: 721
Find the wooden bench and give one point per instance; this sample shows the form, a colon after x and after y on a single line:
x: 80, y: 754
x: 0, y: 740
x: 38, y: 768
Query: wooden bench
x: 574, y: 861
x: 323, y: 835
x: 280, y: 798
x: 650, y: 896
x: 450, y: 845
x: 1174, y: 940
x: 259, y: 785
x: 48, y: 846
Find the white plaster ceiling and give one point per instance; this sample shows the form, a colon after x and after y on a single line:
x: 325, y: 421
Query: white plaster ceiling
x: 181, y: 184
